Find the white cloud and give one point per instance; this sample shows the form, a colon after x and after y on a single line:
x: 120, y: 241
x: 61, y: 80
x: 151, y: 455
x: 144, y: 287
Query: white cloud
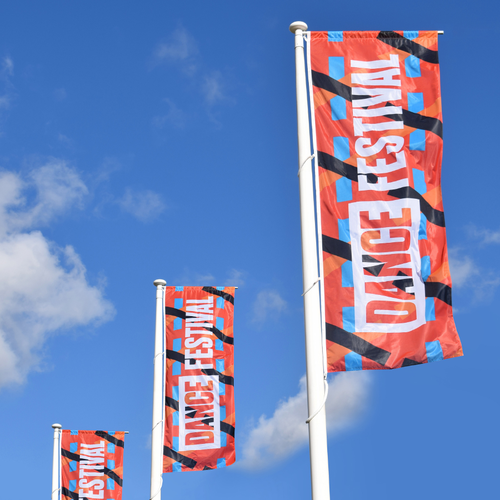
x: 482, y: 235
x: 43, y: 288
x: 180, y: 47
x: 276, y: 438
x: 462, y: 267
x: 213, y: 88
x: 7, y: 67
x: 144, y: 205
x: 268, y: 303
x: 235, y: 278
x: 175, y: 116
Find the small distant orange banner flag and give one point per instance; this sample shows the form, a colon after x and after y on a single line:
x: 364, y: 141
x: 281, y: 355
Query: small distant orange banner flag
x: 91, y: 465
x: 378, y: 123
x: 199, y: 403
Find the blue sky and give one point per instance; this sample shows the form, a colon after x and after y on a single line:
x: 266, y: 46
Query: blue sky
x: 144, y: 140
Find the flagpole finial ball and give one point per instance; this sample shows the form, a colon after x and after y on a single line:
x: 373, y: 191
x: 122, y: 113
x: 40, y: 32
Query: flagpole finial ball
x: 298, y: 25
x: 159, y: 282
x: 56, y: 426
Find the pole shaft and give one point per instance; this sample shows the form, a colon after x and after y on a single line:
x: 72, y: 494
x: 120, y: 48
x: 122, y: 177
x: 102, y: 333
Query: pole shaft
x: 157, y: 432
x: 320, y: 483
x: 55, y: 462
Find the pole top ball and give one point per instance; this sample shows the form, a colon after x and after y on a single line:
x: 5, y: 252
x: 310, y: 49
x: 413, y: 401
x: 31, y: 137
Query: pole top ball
x: 298, y: 25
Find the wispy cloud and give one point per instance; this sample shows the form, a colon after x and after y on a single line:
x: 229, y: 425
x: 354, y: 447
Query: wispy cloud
x: 181, y: 46
x: 275, y: 438
x: 175, y: 116
x: 268, y: 303
x: 181, y: 50
x: 6, y: 74
x: 483, y: 236
x: 144, y: 205
x: 43, y: 288
x: 235, y: 278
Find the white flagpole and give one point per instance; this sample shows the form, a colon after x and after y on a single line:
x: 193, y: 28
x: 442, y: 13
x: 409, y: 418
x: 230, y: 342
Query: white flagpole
x: 320, y: 483
x: 55, y: 461
x: 158, y: 402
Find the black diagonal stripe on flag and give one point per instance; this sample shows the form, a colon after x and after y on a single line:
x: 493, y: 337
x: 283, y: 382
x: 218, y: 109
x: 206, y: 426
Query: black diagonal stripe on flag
x: 172, y: 403
x: 410, y: 362
x: 415, y: 49
x: 329, y: 162
x: 70, y: 455
x: 177, y: 356
x: 337, y: 247
x: 225, y: 379
x: 110, y: 438
x: 438, y: 290
x: 329, y: 84
x: 113, y: 475
x: 188, y: 462
x: 433, y: 215
x: 220, y: 335
x: 172, y: 311
x: 356, y: 344
x: 416, y: 120
x: 219, y: 293
x: 71, y: 494
x: 227, y: 428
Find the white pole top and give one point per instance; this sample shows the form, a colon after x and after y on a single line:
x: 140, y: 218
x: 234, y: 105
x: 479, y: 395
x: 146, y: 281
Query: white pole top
x: 159, y: 282
x: 56, y: 426
x: 298, y: 25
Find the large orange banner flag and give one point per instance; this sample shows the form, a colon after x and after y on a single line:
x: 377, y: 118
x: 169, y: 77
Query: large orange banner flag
x: 199, y: 385
x: 378, y: 136
x: 91, y: 465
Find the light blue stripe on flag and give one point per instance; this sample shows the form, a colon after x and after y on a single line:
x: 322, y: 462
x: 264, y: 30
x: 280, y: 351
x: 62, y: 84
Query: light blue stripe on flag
x: 177, y: 344
x: 339, y: 108
x: 74, y: 433
x: 411, y: 35
x: 353, y: 362
x: 348, y: 319
x: 72, y: 484
x: 223, y: 439
x: 222, y: 389
x: 344, y: 232
x: 343, y: 187
x: 219, y: 365
x: 434, y: 351
x: 347, y: 276
x: 175, y: 392
x: 219, y: 323
x: 422, y: 230
x: 335, y: 36
x: 175, y: 443
x: 73, y: 447
x: 111, y: 448
x: 222, y: 410
x: 412, y: 67
x: 430, y: 309
x: 426, y: 267
x: 220, y: 303
x: 221, y: 462
x: 177, y: 323
x: 179, y: 288
x: 336, y: 68
x: 419, y: 181
x: 111, y: 464
x: 175, y: 418
x: 176, y: 368
x: 178, y: 303
x: 72, y: 466
x: 110, y: 484
x: 219, y: 345
x: 176, y: 467
x: 415, y: 102
x: 341, y: 148
x: 417, y: 140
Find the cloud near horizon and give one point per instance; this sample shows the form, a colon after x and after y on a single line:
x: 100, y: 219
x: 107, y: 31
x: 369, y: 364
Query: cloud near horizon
x: 43, y: 288
x: 274, y: 439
